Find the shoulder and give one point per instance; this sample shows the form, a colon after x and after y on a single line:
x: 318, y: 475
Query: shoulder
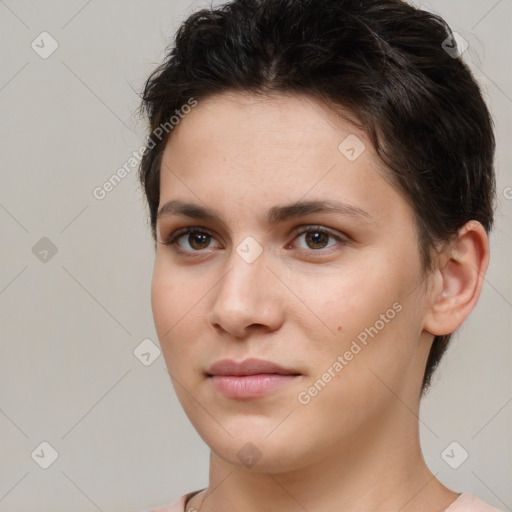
x: 176, y: 506
x: 468, y: 502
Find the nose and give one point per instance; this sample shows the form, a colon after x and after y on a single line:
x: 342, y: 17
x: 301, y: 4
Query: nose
x: 246, y: 298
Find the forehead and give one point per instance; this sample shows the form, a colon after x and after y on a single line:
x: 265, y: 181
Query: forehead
x: 278, y: 120
x: 272, y: 149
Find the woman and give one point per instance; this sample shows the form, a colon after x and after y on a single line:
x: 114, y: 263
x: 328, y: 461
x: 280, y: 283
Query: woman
x: 320, y: 183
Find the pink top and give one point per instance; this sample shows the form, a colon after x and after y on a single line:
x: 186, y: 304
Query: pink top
x: 466, y: 502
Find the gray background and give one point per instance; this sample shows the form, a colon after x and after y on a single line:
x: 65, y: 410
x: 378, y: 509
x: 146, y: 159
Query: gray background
x: 70, y: 323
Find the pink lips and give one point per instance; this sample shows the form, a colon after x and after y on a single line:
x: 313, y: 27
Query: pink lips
x: 248, y: 379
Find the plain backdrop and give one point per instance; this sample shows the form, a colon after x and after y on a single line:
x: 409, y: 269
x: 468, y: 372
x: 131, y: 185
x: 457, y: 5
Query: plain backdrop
x: 75, y: 272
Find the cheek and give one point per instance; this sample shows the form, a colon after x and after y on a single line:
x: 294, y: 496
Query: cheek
x: 172, y: 305
x: 347, y: 302
x: 353, y: 382
x: 173, y: 293
x: 163, y: 303
x: 366, y: 315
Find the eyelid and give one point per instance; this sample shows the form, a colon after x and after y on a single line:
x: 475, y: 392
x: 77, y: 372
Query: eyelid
x: 304, y: 228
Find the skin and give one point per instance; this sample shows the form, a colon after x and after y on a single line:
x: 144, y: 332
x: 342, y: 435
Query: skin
x: 301, y: 304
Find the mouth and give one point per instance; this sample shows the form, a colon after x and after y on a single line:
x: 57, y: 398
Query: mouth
x: 248, y: 379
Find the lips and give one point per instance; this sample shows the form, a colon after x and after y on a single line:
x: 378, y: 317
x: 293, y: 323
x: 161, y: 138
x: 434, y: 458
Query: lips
x: 248, y: 367
x: 251, y: 378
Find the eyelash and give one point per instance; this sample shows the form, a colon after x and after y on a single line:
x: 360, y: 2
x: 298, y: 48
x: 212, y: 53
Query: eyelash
x: 197, y: 229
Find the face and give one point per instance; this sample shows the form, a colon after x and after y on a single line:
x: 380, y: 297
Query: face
x: 333, y: 296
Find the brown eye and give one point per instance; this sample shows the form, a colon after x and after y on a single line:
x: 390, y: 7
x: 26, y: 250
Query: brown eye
x: 317, y: 238
x: 195, y: 237
x: 198, y: 240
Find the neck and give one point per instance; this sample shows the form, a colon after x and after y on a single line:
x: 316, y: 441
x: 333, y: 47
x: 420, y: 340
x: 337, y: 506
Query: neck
x: 380, y: 470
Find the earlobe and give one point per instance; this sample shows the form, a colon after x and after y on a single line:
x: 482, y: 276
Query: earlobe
x: 460, y: 276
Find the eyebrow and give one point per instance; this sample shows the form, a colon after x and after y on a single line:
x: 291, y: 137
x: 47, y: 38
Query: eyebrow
x: 275, y: 215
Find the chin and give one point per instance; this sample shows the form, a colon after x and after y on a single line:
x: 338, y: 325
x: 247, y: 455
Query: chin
x: 258, y: 453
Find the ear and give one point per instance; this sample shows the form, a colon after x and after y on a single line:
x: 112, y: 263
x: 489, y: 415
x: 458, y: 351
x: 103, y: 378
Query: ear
x: 458, y: 280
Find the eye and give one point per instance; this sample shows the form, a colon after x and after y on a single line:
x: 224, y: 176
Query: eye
x: 317, y: 238
x: 198, y: 239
